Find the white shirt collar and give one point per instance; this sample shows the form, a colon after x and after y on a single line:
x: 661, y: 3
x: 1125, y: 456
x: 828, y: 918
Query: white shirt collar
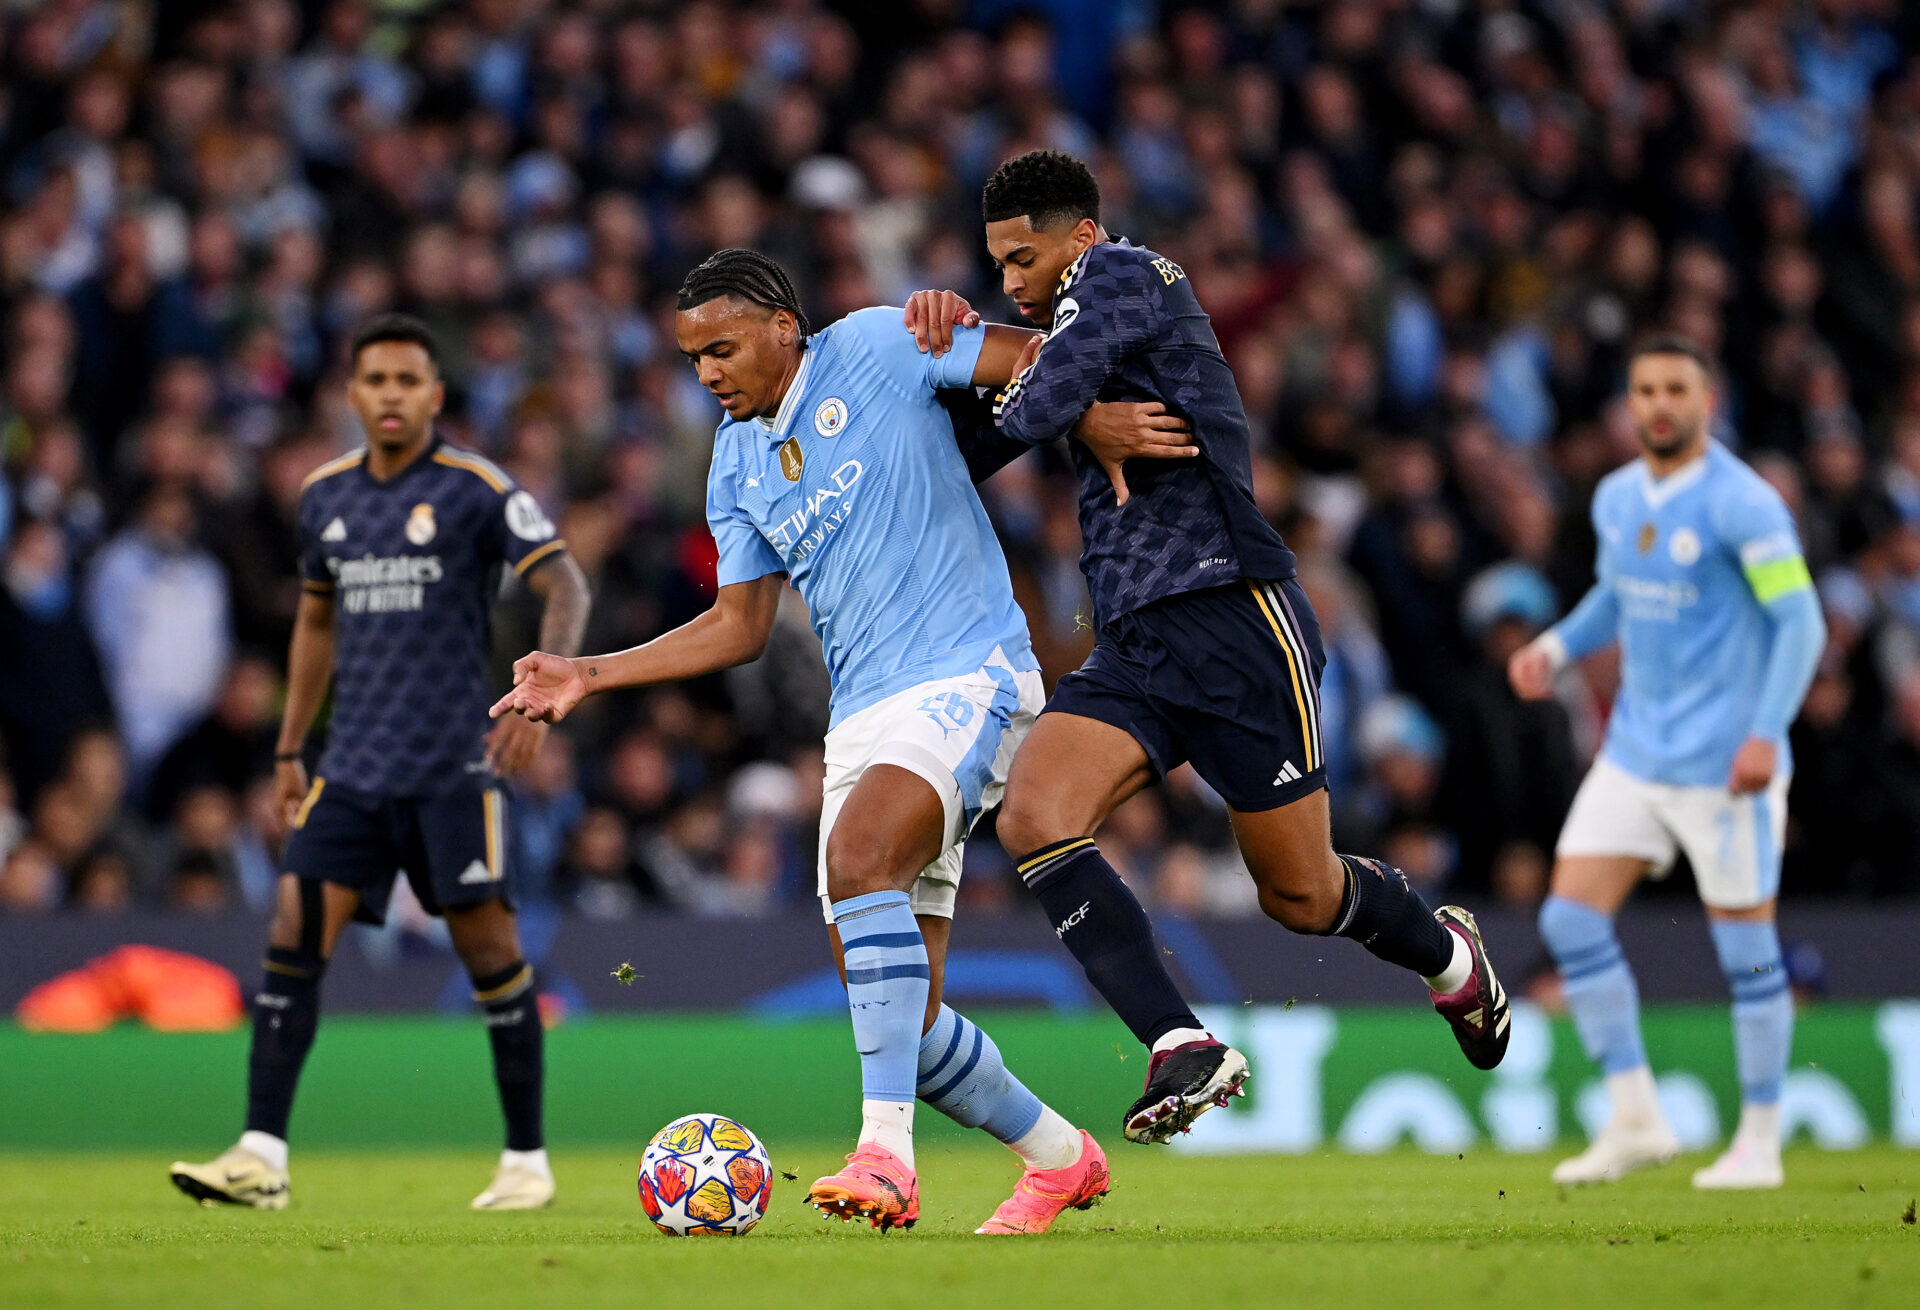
x: 1658, y: 491
x: 789, y: 403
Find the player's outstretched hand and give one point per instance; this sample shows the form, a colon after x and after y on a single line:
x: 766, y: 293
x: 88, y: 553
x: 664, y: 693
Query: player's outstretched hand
x: 1117, y: 431
x: 1753, y: 766
x: 931, y: 316
x: 1531, y: 672
x: 545, y: 688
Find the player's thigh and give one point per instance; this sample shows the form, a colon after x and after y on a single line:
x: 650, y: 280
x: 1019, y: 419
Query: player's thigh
x: 1600, y: 882
x: 340, y: 859
x: 309, y: 914
x: 1733, y: 842
x: 1067, y: 777
x: 957, y: 736
x: 1289, y: 854
x: 1615, y: 834
x: 486, y: 936
x: 891, y: 825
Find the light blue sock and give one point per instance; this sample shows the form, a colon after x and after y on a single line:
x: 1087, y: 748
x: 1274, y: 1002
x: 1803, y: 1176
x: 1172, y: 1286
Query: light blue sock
x: 963, y: 1077
x: 1762, y: 1005
x: 886, y: 989
x: 1599, y: 986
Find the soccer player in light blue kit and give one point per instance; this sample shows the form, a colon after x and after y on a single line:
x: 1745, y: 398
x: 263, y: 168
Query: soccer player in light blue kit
x: 837, y: 466
x: 1702, y: 582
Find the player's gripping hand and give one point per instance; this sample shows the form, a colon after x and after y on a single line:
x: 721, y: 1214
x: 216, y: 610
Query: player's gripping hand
x: 545, y: 688
x: 931, y: 316
x: 1117, y: 431
x: 289, y: 787
x: 1753, y: 766
x: 513, y: 744
x: 1531, y: 671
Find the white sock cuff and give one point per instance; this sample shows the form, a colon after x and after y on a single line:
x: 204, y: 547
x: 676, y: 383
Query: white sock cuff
x: 1458, y: 970
x: 1634, y: 1095
x: 890, y: 1123
x: 534, y: 1162
x: 1180, y: 1037
x: 1052, y: 1142
x: 1760, y: 1123
x: 268, y: 1147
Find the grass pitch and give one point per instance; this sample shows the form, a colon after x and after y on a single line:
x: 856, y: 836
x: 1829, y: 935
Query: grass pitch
x: 1399, y: 1231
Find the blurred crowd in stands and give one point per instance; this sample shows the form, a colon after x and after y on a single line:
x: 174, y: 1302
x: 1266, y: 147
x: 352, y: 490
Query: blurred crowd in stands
x: 1425, y: 229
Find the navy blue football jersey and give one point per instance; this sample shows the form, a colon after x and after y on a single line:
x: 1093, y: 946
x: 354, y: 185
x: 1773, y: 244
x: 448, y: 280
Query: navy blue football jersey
x: 1127, y: 326
x: 414, y: 565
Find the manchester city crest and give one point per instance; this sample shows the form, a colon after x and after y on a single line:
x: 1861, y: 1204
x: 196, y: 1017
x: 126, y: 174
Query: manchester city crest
x: 420, y: 525
x: 830, y: 420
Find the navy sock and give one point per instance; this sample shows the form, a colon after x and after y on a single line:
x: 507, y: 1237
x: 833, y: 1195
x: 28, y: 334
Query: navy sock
x: 1107, y: 931
x: 1381, y: 910
x: 519, y: 1050
x: 286, y: 1014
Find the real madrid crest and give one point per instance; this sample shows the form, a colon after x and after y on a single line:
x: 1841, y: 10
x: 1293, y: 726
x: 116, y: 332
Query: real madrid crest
x: 831, y: 418
x: 1645, y: 541
x: 791, y: 460
x: 420, y: 525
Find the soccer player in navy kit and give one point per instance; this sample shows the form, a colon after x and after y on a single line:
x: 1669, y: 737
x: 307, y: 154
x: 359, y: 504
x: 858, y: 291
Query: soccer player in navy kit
x: 403, y: 544
x: 1207, y: 650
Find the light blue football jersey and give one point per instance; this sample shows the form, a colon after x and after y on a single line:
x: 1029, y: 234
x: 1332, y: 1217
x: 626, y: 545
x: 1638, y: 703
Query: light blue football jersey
x: 858, y: 492
x: 1691, y: 563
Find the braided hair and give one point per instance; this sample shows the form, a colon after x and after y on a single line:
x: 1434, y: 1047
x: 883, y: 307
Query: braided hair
x: 747, y: 274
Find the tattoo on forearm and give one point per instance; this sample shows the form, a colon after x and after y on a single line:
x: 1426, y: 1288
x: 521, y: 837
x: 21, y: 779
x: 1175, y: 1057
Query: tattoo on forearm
x: 593, y: 670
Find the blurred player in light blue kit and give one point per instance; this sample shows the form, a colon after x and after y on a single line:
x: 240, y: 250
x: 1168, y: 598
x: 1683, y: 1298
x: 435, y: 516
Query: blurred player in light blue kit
x: 1702, y: 582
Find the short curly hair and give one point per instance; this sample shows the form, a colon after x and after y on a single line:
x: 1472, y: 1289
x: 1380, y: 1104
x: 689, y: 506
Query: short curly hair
x: 1045, y: 185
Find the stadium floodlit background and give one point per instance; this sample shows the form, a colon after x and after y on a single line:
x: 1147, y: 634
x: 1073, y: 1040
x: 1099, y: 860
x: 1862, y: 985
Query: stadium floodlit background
x: 1425, y: 233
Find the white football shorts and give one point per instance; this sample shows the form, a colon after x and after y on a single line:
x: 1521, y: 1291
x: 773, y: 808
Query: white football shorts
x: 1732, y: 841
x: 957, y: 733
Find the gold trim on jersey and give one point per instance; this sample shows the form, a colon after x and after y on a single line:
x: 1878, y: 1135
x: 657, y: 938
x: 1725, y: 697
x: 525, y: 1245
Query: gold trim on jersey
x: 480, y: 468
x: 333, y: 466
x: 533, y: 557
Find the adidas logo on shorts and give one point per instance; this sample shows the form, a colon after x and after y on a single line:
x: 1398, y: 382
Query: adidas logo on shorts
x: 1287, y: 774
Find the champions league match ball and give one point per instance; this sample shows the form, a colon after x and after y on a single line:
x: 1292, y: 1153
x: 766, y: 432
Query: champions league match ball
x: 703, y: 1176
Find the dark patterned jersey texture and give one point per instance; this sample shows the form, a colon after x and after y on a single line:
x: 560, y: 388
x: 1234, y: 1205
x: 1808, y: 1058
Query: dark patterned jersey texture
x: 1127, y: 326
x: 413, y: 566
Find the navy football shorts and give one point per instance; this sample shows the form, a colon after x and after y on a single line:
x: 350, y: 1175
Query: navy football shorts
x: 452, y: 847
x: 1228, y: 678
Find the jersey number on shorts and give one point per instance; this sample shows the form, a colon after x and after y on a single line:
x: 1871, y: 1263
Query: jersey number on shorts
x: 949, y: 711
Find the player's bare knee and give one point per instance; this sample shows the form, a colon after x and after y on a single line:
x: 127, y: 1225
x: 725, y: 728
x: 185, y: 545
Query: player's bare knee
x: 1301, y: 898
x: 1027, y: 823
x: 485, y: 937
x: 284, y: 931
x: 1301, y: 912
x: 862, y: 862
x: 297, y: 916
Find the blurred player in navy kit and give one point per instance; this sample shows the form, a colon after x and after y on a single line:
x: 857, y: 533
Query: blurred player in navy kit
x: 402, y: 547
x: 1207, y: 649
